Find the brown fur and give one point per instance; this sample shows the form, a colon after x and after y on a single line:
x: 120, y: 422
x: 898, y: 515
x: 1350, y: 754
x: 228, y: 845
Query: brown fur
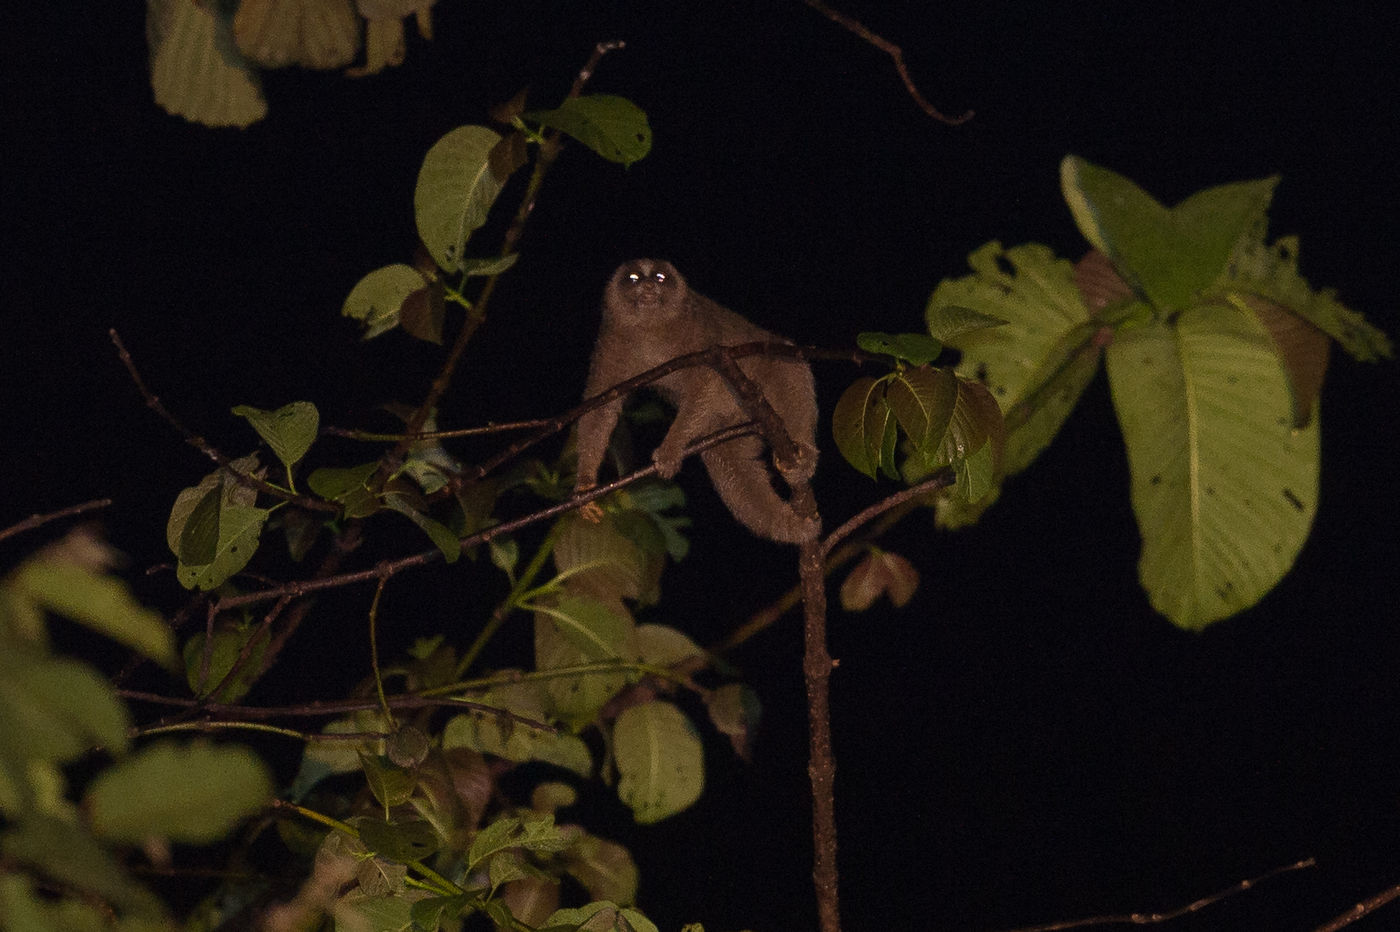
x: 650, y: 316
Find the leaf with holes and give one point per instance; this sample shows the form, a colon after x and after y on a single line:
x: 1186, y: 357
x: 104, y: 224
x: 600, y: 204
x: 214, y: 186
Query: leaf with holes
x: 456, y: 188
x: 613, y: 127
x: 1224, y: 487
x: 660, y: 764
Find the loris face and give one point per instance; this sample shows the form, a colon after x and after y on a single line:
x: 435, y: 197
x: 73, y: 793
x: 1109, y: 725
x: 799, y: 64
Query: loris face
x: 647, y: 287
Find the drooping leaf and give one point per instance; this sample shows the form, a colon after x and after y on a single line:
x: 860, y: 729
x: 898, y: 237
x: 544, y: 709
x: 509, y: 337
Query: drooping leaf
x: 196, y: 69
x: 621, y: 555
x: 101, y: 602
x: 605, y: 869
x: 191, y: 793
x: 660, y: 764
x: 55, y: 709
x: 1167, y: 255
x: 879, y: 573
x: 1302, y: 348
x: 377, y: 300
x: 914, y: 348
x: 735, y: 712
x: 443, y: 539
x: 1271, y: 272
x: 347, y: 486
x: 613, y: 127
x: 240, y: 527
x: 864, y: 428
x: 1224, y: 487
x: 276, y: 33
x: 289, y: 431
x: 456, y: 188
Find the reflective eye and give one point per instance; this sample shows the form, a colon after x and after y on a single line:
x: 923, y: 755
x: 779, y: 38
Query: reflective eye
x: 660, y: 276
x: 633, y: 277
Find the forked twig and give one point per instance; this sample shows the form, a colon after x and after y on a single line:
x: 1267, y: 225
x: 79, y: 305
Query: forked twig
x: 895, y: 53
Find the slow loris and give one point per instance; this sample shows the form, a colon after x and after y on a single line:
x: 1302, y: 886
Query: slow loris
x: 650, y: 316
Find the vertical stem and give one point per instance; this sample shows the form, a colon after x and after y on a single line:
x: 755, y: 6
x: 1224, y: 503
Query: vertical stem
x: 821, y: 767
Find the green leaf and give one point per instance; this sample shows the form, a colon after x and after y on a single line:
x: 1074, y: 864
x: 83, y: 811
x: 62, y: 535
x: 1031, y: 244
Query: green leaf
x: 914, y: 348
x: 227, y: 645
x: 948, y: 322
x: 1271, y: 273
x: 233, y: 527
x: 100, y: 602
x: 197, y: 71
x: 402, y: 841
x: 483, y: 268
x: 923, y: 400
x: 191, y: 793
x: 602, y: 916
x: 664, y: 646
x: 509, y: 739
x: 613, y: 127
x: 622, y: 554
x: 581, y: 630
x: 735, y: 712
x: 605, y: 869
x: 660, y: 762
x: 391, y: 785
x: 864, y: 427
x: 1168, y: 256
x: 455, y: 191
x: 65, y: 852
x: 443, y: 539
x: 1223, y: 486
x: 289, y: 431
x: 55, y: 709
x: 347, y: 486
x: 377, y: 300
x: 1038, y: 363
x: 240, y: 527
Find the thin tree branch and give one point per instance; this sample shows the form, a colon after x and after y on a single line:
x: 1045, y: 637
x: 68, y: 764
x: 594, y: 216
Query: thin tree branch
x: 1144, y: 919
x: 895, y: 53
x: 1361, y: 910
x: 38, y: 520
x: 549, y: 152
x: 199, y: 443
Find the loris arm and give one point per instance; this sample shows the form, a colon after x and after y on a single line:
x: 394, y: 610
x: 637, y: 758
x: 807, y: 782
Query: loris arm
x: 594, y: 431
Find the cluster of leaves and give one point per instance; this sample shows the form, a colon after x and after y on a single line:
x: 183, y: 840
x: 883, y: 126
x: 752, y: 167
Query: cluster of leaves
x: 206, y: 57
x: 1215, y: 346
x: 434, y: 839
x: 63, y: 858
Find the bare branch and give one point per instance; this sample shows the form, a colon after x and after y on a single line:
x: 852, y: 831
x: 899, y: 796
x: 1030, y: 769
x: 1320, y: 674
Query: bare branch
x: 38, y: 520
x: 1361, y: 910
x: 894, y: 52
x: 1145, y: 919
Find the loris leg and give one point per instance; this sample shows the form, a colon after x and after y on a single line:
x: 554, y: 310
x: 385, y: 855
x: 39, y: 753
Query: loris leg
x: 745, y: 483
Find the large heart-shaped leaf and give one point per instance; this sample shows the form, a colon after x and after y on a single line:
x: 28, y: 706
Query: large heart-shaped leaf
x: 1223, y: 485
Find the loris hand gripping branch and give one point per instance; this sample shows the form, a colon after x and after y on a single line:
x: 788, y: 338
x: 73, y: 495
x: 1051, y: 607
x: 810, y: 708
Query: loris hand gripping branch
x: 650, y: 316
